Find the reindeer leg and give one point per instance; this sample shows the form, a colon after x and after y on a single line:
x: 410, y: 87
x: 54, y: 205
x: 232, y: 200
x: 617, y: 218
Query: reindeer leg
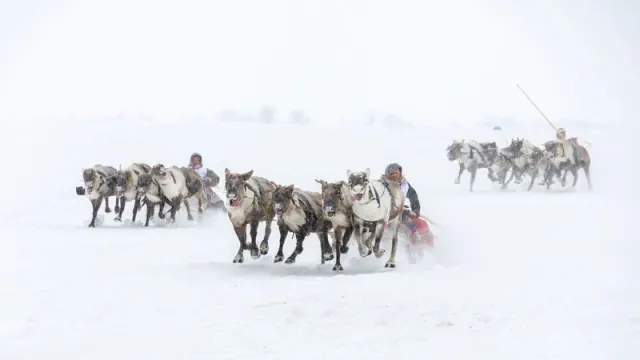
x: 175, y: 206
x: 344, y: 242
x: 473, y: 170
x: 506, y: 183
x: 186, y: 204
x: 587, y: 173
x: 119, y: 202
x: 201, y: 202
x: 136, y: 207
x: 284, y: 231
x: 121, y: 210
x: 107, y: 209
x: 325, y: 246
x: 160, y: 210
x: 150, y: 210
x: 378, y: 235
x: 460, y: 171
x: 264, y: 244
x: 337, y: 233
x: 391, y: 263
x: 241, y: 232
x: 534, y: 175
x: 300, y: 235
x: 95, y: 206
x: 253, y: 232
x: 362, y: 248
x: 574, y: 173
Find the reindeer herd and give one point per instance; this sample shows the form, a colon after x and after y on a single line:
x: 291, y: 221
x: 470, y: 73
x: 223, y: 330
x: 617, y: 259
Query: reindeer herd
x: 521, y: 157
x: 360, y: 206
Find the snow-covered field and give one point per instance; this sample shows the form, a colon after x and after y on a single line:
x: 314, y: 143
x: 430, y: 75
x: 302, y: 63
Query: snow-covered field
x: 516, y: 275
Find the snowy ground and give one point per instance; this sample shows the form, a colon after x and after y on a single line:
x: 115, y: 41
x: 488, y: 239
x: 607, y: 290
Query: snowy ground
x: 541, y: 275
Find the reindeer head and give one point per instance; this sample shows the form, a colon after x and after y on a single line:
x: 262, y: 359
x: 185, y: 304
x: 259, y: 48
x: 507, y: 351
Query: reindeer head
x: 159, y: 171
x: 515, y: 147
x: 454, y: 150
x: 331, y: 197
x: 235, y: 186
x: 144, y: 184
x: 123, y: 178
x: 550, y: 147
x: 358, y: 182
x: 282, y: 198
x: 93, y: 181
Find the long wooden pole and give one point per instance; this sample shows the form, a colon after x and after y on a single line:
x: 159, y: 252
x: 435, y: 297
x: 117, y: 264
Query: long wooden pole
x: 537, y: 108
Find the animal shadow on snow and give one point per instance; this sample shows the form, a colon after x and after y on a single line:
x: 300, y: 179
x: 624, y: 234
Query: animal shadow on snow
x: 266, y: 267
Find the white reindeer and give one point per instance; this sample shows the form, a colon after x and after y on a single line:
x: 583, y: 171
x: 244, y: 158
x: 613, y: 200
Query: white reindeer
x: 376, y: 203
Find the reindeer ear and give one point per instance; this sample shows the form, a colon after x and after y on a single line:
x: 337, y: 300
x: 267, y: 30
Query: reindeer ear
x: 349, y: 173
x: 246, y: 176
x: 227, y: 172
x: 367, y: 171
x: 128, y: 174
x: 290, y: 188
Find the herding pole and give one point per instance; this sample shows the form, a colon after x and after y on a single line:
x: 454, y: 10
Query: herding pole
x: 537, y: 108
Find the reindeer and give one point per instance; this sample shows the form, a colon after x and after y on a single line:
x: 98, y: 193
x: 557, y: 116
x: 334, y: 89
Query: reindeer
x: 472, y: 156
x: 99, y: 182
x: 195, y: 188
x: 148, y: 192
x: 336, y: 207
x: 173, y: 184
x: 376, y: 203
x: 569, y: 156
x: 524, y: 158
x: 301, y: 213
x: 127, y: 187
x: 250, y: 202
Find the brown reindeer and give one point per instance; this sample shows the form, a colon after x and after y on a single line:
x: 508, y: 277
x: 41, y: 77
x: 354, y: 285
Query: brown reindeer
x: 250, y: 202
x: 99, y: 182
x: 127, y: 187
x: 336, y: 207
x: 301, y: 213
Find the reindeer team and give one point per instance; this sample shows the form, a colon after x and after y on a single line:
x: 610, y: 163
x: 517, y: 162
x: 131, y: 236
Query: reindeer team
x: 522, y: 158
x: 362, y: 206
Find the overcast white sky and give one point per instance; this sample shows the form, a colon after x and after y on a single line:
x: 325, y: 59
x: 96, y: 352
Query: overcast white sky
x: 435, y: 60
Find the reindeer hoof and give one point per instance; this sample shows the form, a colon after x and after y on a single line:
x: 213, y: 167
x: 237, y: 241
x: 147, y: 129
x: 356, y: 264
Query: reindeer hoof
x: 290, y: 261
x: 338, y: 267
x: 390, y: 265
x: 264, y: 248
x: 278, y: 258
x: 344, y: 249
x: 456, y: 181
x: 239, y: 259
x: 117, y: 218
x: 108, y: 210
x: 190, y: 217
x: 92, y: 225
x: 327, y: 256
x: 116, y: 209
x: 380, y: 253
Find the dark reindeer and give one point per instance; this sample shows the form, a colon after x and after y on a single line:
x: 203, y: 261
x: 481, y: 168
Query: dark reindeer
x: 301, y: 213
x: 337, y: 208
x: 149, y: 193
x: 250, y: 202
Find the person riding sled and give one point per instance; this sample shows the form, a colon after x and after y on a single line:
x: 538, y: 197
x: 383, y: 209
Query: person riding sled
x: 418, y: 227
x: 210, y: 177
